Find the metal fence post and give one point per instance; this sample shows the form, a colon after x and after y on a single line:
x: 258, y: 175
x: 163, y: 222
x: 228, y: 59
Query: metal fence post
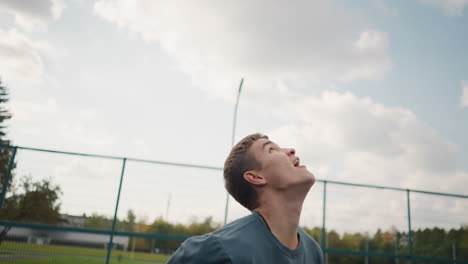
x: 410, y: 236
x: 324, y: 233
x: 109, y: 247
x: 454, y: 252
x: 8, y: 176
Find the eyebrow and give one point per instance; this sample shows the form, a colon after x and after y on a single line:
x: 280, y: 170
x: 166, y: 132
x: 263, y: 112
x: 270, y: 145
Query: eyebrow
x: 266, y: 143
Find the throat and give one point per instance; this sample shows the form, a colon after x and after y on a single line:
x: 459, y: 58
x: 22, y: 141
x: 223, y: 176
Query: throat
x: 290, y: 240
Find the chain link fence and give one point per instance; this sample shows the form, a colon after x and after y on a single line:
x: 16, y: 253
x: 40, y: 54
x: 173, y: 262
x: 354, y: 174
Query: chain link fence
x: 190, y: 196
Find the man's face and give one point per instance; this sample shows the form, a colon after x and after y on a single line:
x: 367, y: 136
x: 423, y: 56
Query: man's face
x: 280, y: 167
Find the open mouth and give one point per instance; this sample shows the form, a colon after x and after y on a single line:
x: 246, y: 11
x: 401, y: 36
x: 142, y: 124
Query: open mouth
x: 297, y: 162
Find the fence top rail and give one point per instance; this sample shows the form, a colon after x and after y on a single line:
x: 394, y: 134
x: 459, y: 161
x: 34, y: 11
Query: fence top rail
x: 393, y: 188
x: 114, y: 157
x: 220, y: 169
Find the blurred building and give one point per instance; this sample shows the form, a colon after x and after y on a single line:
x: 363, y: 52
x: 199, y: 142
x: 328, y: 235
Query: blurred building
x: 81, y: 237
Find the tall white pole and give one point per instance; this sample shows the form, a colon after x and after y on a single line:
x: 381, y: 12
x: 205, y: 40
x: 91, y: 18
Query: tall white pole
x: 232, y: 143
x: 168, y: 206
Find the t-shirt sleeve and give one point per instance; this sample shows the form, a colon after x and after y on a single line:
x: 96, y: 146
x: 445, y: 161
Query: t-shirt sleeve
x: 200, y: 249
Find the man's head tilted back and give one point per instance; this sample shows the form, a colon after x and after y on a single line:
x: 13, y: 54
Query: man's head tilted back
x: 269, y: 181
x: 257, y: 168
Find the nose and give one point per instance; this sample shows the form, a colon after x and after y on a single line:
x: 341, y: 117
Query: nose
x: 291, y: 152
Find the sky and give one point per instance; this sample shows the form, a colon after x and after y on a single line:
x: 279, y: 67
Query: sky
x: 371, y: 91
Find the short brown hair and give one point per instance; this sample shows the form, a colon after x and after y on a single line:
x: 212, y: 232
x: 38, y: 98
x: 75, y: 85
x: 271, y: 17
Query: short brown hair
x: 237, y: 163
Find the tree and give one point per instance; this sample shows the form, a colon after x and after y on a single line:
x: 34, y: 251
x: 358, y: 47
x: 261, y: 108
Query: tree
x: 98, y: 221
x: 35, y: 202
x: 195, y: 228
x: 315, y: 232
x: 161, y: 226
x: 5, y: 153
x: 128, y: 224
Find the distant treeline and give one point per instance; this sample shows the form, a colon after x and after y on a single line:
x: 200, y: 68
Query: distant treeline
x: 159, y: 226
x: 430, y: 242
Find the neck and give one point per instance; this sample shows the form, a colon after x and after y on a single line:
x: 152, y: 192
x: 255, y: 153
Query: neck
x: 282, y: 216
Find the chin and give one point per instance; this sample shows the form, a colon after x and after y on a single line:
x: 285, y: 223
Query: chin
x: 311, y: 178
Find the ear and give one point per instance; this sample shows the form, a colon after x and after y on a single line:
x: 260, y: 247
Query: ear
x: 254, y: 178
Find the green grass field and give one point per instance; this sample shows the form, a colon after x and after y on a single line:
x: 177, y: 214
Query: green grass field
x: 24, y: 253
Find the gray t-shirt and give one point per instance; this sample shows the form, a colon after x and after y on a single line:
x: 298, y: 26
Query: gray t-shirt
x: 246, y: 240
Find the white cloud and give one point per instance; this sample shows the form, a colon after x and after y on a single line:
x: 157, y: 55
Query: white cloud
x: 464, y: 96
x: 20, y: 57
x: 450, y: 7
x: 78, y: 129
x: 374, y: 61
x: 217, y: 42
x: 31, y: 14
x: 73, y: 174
x: 366, y: 137
x: 78, y: 167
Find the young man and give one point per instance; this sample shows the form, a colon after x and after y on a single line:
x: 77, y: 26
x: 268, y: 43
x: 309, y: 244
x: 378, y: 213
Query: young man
x: 269, y: 181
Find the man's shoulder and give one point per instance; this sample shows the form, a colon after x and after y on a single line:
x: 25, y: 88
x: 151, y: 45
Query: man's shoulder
x: 238, y: 234
x: 236, y: 228
x: 200, y: 249
x: 217, y: 246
